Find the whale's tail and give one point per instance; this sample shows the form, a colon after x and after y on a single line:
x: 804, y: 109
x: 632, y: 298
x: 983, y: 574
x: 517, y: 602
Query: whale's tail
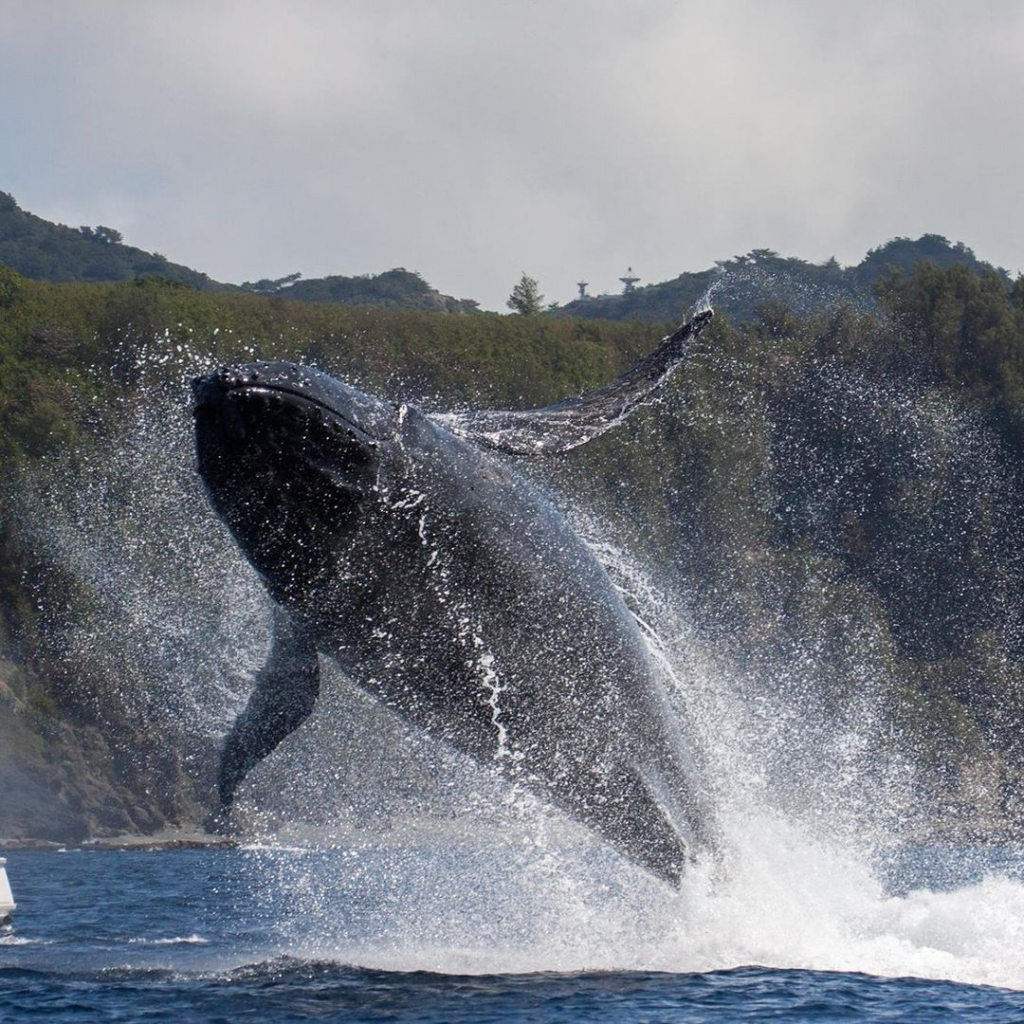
x: 575, y: 421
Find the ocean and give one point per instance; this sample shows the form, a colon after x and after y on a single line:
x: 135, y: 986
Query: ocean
x: 301, y: 934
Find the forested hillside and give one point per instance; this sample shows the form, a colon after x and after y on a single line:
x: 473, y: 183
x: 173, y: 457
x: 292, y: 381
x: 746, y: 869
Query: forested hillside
x: 834, y: 498
x: 394, y: 289
x: 738, y: 287
x: 44, y: 251
x: 741, y: 285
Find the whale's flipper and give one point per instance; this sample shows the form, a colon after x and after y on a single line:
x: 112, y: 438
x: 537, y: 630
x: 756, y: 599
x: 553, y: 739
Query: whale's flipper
x: 575, y: 421
x: 286, y: 690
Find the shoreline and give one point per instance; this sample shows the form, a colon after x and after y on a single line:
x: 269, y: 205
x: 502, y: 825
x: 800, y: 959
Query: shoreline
x: 169, y: 839
x: 187, y: 839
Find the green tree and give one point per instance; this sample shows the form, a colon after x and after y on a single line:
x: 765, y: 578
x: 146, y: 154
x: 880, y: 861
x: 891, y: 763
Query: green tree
x: 109, y: 236
x: 1017, y: 292
x: 268, y: 286
x: 526, y: 299
x: 11, y: 286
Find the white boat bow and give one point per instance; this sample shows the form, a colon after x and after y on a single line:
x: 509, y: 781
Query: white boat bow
x: 7, y: 904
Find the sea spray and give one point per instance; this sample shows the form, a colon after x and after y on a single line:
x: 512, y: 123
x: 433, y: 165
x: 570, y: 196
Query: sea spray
x: 793, y: 885
x: 170, y: 619
x: 418, y: 859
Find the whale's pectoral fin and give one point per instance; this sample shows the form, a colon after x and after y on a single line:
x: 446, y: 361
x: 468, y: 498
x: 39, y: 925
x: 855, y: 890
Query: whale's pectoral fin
x: 286, y: 690
x: 575, y: 421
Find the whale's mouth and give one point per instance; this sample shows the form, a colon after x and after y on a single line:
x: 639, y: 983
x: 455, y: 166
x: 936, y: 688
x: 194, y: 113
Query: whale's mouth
x: 265, y: 442
x: 287, y: 392
x: 275, y: 400
x: 262, y: 421
x: 288, y: 471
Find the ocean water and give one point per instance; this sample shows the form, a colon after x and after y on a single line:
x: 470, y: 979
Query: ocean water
x: 296, y: 934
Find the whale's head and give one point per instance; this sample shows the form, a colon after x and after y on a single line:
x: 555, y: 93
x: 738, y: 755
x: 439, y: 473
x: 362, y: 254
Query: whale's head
x: 290, y: 458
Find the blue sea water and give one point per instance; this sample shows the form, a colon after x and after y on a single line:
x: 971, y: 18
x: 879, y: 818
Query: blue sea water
x: 259, y: 935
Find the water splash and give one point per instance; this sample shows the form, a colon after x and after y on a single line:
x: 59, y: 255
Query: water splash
x: 424, y: 860
x: 718, y: 283
x: 173, y: 623
x: 490, y: 888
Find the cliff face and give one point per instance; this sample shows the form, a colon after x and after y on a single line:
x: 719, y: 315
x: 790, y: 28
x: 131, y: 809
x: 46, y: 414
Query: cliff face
x: 64, y: 779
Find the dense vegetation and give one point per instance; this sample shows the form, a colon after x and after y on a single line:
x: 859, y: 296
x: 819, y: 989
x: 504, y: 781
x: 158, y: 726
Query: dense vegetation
x: 840, y: 488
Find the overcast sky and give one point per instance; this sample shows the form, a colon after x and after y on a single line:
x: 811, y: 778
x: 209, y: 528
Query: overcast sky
x: 474, y: 140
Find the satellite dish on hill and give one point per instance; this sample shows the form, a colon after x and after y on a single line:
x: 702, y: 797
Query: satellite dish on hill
x: 629, y: 281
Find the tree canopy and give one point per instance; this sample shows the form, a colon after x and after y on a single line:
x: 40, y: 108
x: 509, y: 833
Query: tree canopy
x: 526, y: 299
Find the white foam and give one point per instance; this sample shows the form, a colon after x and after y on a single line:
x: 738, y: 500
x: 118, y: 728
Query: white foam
x: 805, y: 811
x: 274, y: 848
x: 790, y: 901
x: 780, y: 900
x: 173, y: 940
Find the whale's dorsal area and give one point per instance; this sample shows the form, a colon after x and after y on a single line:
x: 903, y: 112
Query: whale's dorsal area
x: 575, y: 421
x: 448, y: 587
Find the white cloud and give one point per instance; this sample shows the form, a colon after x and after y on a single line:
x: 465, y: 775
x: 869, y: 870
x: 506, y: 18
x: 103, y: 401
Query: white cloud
x: 472, y: 140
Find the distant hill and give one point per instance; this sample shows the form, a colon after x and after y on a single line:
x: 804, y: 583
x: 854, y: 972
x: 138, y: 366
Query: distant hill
x: 45, y: 251
x: 397, y: 288
x: 740, y: 286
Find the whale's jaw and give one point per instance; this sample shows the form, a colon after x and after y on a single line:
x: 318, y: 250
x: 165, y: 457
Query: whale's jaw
x: 286, y: 464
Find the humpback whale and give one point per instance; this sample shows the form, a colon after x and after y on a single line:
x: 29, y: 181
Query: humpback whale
x: 450, y: 588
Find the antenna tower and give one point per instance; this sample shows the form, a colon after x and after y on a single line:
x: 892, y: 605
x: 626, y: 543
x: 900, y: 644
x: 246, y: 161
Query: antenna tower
x: 629, y: 281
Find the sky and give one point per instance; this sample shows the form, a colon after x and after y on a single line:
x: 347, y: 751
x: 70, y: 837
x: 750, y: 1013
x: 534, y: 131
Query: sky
x: 474, y: 141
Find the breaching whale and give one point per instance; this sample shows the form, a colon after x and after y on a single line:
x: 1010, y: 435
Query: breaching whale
x: 450, y: 588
